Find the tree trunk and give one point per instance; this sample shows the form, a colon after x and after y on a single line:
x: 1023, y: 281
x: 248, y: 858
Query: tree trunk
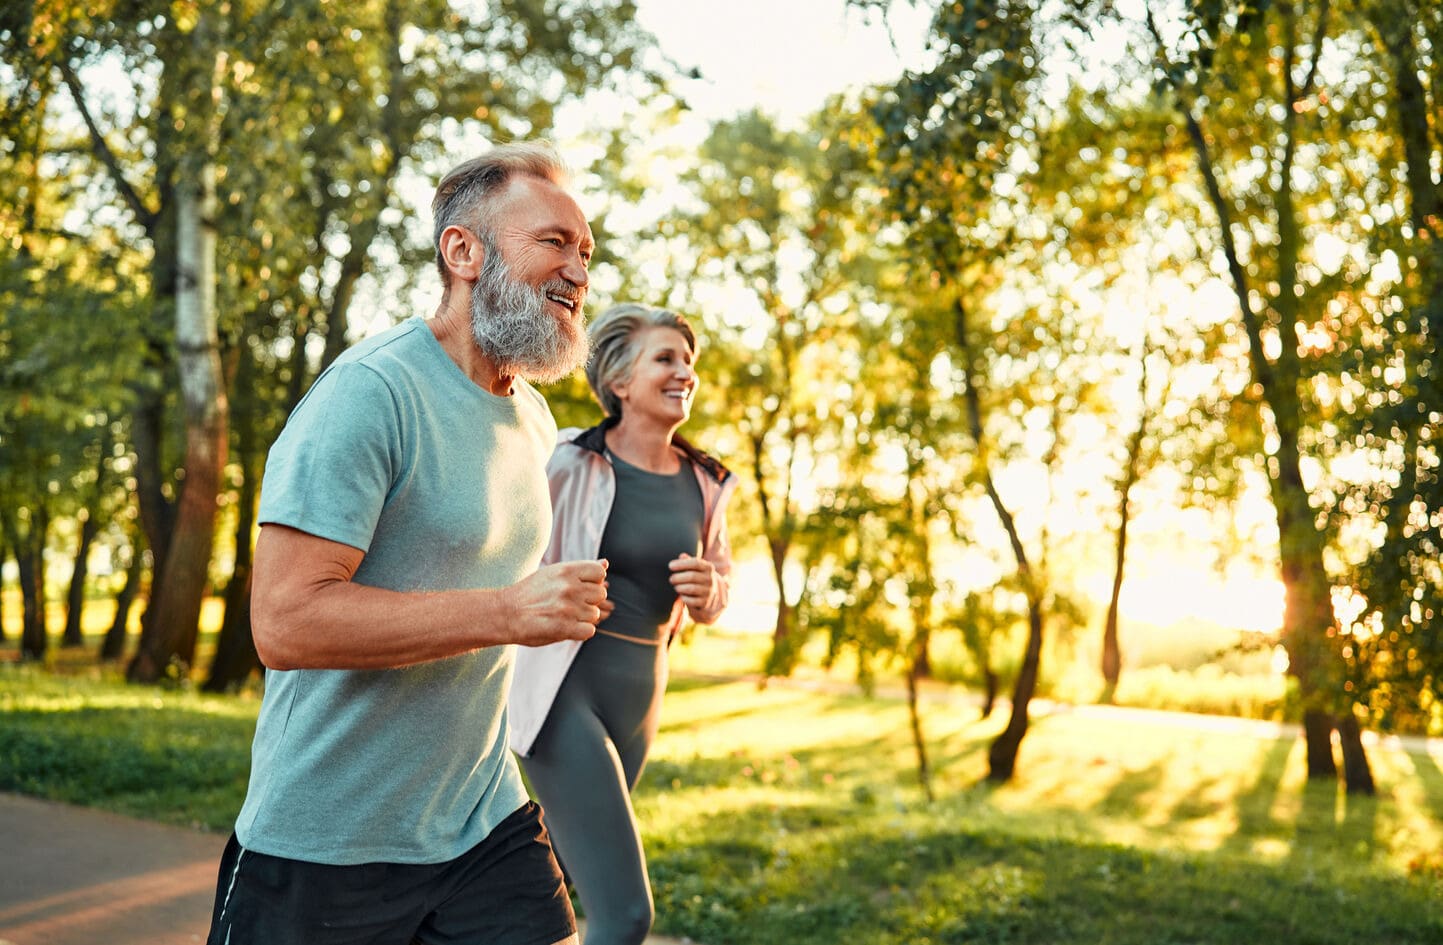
x: 235, y: 650
x: 1002, y: 756
x: 1111, y: 648
x: 1412, y: 113
x: 990, y: 684
x: 782, y: 659
x: 113, y: 648
x: 786, y: 648
x: 29, y: 549
x: 157, y: 513
x: 4, y: 555
x: 979, y: 645
x: 398, y: 129
x: 919, y: 741
x: 1318, y: 737
x: 75, y: 599
x: 170, y: 634
x: 1308, y: 621
x: 922, y: 666
x: 921, y: 588
x: 1111, y: 651
x: 34, y: 639
x: 1357, y: 774
x: 353, y: 266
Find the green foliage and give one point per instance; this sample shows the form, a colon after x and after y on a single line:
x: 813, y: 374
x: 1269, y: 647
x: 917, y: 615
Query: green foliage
x: 1395, y: 651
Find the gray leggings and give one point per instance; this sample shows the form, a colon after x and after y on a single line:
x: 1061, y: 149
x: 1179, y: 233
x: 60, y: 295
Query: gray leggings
x: 584, y: 764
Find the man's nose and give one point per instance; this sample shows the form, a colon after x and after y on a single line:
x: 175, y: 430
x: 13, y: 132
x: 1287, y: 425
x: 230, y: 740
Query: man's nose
x: 575, y: 271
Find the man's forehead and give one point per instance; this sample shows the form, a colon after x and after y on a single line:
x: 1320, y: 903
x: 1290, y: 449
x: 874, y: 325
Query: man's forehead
x: 537, y: 201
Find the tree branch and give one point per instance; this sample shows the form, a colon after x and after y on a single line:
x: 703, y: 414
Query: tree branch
x: 143, y: 214
x: 1262, y: 368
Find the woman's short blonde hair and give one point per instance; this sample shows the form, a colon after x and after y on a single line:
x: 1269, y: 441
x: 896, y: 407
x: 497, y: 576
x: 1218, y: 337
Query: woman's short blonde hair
x: 615, y: 346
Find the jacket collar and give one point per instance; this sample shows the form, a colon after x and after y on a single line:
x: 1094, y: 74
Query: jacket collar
x: 594, y: 439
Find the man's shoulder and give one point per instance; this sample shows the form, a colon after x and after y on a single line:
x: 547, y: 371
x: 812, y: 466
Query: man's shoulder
x: 395, y: 342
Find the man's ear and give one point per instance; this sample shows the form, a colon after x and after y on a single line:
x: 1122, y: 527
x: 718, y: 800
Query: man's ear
x: 462, y: 253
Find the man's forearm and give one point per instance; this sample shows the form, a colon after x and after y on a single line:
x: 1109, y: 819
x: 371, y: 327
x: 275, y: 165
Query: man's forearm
x: 345, y: 625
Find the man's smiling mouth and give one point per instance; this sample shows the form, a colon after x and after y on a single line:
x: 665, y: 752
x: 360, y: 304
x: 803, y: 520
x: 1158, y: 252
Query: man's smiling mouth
x: 572, y: 305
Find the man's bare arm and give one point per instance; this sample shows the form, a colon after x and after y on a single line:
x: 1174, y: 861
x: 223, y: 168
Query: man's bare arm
x: 306, y: 613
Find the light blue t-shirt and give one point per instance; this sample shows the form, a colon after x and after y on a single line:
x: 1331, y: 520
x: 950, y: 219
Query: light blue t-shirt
x: 395, y: 451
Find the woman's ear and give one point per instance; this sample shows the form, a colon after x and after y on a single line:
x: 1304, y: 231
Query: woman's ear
x: 462, y: 253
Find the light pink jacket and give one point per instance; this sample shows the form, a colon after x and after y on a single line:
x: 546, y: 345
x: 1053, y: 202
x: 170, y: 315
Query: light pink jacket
x: 583, y: 486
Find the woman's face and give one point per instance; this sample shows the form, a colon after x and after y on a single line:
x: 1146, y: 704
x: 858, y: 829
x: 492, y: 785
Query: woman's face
x: 662, y: 380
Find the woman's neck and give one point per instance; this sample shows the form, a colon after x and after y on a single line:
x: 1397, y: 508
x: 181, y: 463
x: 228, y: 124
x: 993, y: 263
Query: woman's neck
x: 644, y: 445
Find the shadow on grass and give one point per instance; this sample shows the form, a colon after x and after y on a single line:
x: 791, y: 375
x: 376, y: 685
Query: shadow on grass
x: 1128, y: 793
x: 1430, y: 775
x: 673, y: 722
x: 1200, y: 805
x: 959, y: 751
x: 1255, y: 804
x: 847, y: 762
x: 692, y: 682
x: 923, y: 880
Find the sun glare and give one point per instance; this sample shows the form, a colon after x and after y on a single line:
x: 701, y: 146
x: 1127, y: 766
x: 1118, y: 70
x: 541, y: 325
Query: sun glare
x: 1240, y: 601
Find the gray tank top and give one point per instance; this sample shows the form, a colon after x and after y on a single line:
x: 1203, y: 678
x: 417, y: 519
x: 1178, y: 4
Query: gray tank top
x: 654, y: 518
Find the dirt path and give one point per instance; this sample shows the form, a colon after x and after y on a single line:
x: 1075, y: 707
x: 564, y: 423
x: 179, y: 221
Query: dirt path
x: 75, y: 876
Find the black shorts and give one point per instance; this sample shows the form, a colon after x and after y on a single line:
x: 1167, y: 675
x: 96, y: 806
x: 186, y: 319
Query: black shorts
x: 507, y: 890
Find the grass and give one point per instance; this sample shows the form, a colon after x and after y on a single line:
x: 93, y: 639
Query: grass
x: 780, y: 816
x: 167, y: 755
x: 788, y: 815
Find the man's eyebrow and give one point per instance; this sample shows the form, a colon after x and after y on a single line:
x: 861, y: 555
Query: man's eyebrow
x: 571, y: 233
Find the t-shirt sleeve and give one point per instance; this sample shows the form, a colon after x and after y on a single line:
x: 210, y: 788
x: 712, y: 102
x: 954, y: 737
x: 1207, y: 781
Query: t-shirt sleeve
x: 334, y: 464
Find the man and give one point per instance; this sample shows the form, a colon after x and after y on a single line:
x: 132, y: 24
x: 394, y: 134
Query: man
x: 404, y: 513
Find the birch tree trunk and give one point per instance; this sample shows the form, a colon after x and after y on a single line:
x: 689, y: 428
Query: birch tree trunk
x: 174, y: 614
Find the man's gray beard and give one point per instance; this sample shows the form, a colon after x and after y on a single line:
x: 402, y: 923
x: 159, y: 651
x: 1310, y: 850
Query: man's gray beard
x: 512, y: 327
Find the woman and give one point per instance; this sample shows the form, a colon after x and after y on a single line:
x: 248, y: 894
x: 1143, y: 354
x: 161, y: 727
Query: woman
x: 583, y: 715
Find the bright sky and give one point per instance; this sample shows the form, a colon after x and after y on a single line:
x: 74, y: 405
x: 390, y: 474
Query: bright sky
x: 785, y: 56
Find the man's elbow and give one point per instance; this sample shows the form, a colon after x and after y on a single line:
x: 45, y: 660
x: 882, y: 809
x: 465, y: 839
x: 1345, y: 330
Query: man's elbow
x: 273, y: 631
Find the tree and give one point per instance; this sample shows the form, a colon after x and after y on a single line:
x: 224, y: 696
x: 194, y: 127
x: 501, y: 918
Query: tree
x: 66, y: 303
x: 871, y: 582
x: 1216, y: 44
x: 89, y: 517
x: 1132, y: 469
x: 947, y: 137
x: 4, y: 557
x: 112, y: 647
x: 775, y: 224
x: 1394, y: 651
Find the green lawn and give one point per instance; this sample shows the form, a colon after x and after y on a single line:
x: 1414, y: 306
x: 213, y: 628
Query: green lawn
x: 789, y: 816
